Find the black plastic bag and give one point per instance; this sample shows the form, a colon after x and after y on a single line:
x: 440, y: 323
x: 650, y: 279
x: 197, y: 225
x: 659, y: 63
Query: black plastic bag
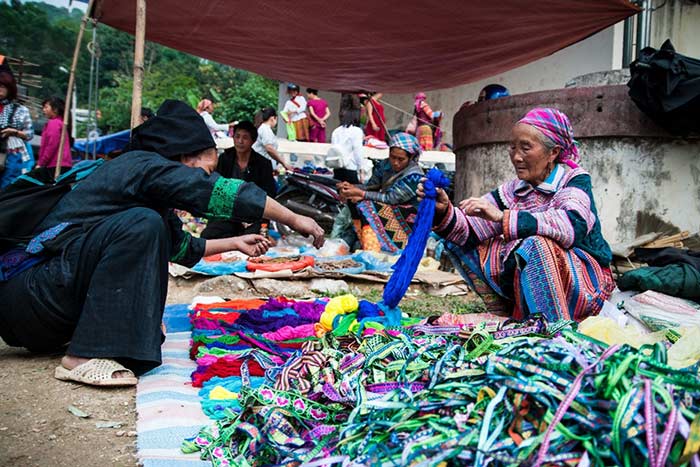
x: 665, y: 85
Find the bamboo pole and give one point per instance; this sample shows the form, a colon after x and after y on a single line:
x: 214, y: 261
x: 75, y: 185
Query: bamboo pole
x: 139, y: 45
x: 69, y: 91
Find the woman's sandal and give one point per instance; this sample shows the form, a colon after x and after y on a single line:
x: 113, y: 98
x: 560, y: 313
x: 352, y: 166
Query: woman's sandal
x: 96, y: 372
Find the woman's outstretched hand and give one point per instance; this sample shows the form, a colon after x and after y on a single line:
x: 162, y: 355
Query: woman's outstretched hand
x: 308, y: 227
x: 442, y: 202
x: 252, y: 244
x: 479, y: 207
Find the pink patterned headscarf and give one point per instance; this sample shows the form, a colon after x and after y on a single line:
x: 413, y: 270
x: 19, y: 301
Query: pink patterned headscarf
x: 203, y: 105
x: 555, y: 125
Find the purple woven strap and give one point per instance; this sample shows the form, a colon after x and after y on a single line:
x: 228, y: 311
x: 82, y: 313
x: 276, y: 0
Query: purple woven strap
x: 650, y: 422
x: 382, y: 388
x: 516, y: 332
x: 437, y: 330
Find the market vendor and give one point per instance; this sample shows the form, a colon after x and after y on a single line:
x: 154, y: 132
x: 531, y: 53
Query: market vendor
x: 96, y: 275
x: 534, y: 244
x: 242, y: 162
x: 383, y: 210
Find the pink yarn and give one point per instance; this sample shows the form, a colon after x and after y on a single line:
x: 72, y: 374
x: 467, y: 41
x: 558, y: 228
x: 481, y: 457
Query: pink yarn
x: 286, y: 333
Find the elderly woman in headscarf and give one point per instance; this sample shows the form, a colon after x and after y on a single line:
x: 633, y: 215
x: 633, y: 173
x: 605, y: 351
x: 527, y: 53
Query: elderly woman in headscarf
x: 534, y: 244
x: 384, y: 209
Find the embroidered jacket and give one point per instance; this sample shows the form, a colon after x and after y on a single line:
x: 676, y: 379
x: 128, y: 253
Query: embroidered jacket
x: 561, y: 208
x: 388, y: 187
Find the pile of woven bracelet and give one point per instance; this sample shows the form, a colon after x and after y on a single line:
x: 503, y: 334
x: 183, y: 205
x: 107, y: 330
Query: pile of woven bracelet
x: 369, y: 391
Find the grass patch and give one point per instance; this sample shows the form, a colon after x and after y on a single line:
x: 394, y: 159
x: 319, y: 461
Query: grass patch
x: 424, y: 304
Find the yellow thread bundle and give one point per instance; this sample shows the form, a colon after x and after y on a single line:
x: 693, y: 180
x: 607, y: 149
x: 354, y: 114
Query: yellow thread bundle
x: 340, y: 305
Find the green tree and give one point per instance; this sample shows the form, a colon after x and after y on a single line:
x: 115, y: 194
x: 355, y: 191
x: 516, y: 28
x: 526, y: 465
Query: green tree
x: 115, y: 102
x: 243, y: 101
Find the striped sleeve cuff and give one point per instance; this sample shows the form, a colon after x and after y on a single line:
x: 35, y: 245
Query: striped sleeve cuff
x: 518, y: 224
x: 454, y: 227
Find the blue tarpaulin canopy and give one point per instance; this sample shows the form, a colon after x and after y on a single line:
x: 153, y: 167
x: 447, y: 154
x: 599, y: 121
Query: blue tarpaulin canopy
x: 104, y: 144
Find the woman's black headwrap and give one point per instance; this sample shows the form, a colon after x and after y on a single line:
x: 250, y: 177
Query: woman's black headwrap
x: 177, y: 129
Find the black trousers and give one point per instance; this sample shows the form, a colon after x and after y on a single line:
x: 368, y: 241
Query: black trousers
x: 103, y: 294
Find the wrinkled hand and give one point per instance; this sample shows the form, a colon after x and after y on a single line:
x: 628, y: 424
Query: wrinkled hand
x: 252, y: 244
x: 308, y: 227
x: 479, y: 207
x: 442, y: 201
x: 343, y: 185
x: 289, y: 167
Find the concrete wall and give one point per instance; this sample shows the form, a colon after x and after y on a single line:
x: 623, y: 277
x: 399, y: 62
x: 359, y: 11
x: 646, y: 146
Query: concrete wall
x: 679, y: 21
x: 634, y: 179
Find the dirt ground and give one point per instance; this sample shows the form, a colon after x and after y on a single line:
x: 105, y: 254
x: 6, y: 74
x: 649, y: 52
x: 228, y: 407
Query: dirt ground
x: 37, y: 428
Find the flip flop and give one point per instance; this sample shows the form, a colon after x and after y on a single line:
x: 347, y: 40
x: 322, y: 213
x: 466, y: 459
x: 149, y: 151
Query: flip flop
x: 96, y: 372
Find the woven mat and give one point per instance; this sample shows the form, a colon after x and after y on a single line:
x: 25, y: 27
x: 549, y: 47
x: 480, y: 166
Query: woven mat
x: 167, y: 406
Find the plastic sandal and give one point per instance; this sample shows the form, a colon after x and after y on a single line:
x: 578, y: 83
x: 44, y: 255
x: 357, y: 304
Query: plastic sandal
x: 96, y: 372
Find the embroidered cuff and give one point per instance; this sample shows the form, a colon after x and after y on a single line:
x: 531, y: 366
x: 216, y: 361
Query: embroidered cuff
x: 237, y: 200
x: 510, y: 224
x: 371, y: 195
x: 518, y: 224
x: 455, y: 227
x: 189, y: 251
x: 447, y: 218
x: 223, y: 197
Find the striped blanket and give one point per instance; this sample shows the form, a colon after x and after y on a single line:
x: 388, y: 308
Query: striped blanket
x: 167, y: 406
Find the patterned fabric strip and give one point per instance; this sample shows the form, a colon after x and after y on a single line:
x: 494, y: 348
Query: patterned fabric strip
x: 223, y: 198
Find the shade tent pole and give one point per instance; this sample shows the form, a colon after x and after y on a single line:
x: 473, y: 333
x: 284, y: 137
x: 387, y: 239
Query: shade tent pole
x: 69, y: 91
x: 139, y: 45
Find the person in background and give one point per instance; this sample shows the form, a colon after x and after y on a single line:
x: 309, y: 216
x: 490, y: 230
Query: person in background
x: 266, y: 144
x: 318, y: 114
x: 489, y: 92
x: 205, y: 109
x: 53, y: 108
x: 146, y: 114
x: 376, y: 121
x: 295, y: 108
x: 534, y: 244
x: 15, y: 128
x: 243, y: 163
x: 427, y: 122
x: 362, y: 100
x: 347, y: 141
x: 383, y: 210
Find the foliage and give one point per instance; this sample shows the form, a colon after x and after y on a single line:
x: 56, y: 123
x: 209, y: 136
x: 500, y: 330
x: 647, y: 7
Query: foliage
x: 242, y: 102
x: 44, y: 34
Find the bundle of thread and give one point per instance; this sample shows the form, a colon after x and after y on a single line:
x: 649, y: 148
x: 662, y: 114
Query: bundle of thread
x: 345, y: 314
x: 229, y: 338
